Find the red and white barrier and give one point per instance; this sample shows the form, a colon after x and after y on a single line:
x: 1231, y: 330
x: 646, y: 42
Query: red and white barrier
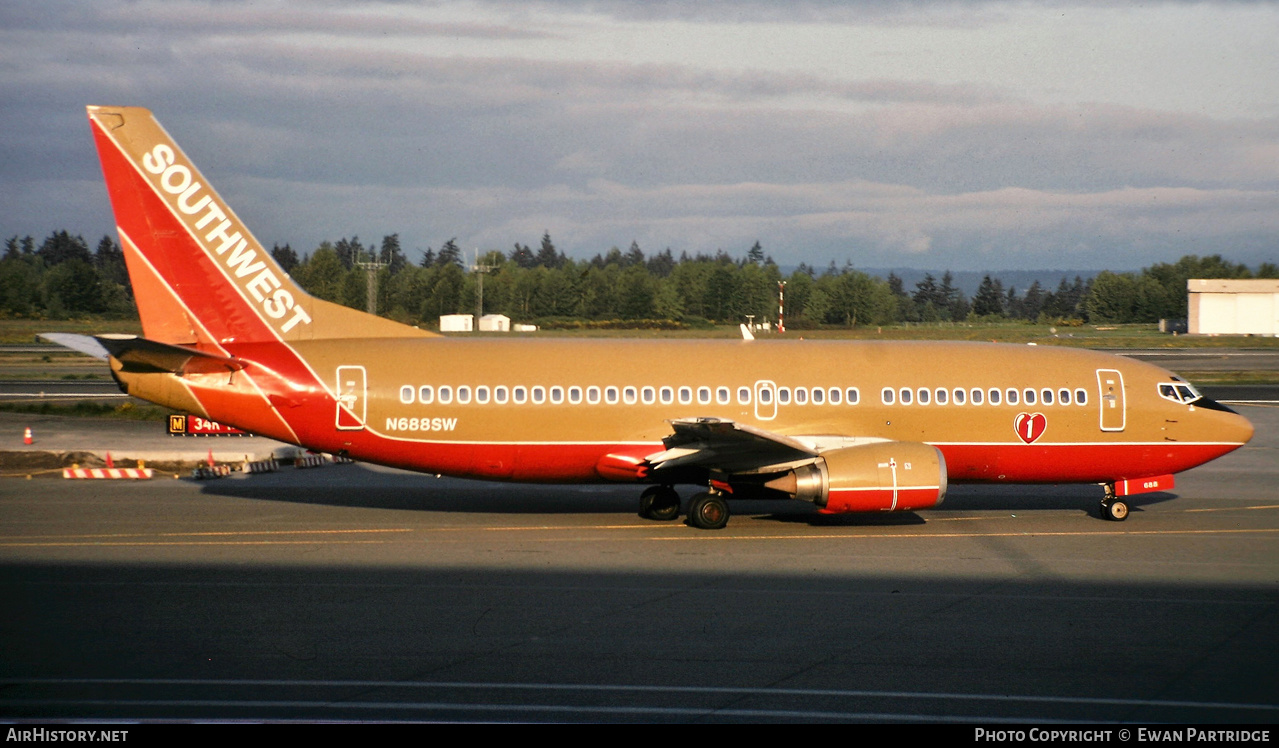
x: 129, y: 473
x: 261, y: 466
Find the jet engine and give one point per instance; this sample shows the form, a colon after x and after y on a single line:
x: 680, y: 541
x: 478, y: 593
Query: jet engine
x: 881, y: 476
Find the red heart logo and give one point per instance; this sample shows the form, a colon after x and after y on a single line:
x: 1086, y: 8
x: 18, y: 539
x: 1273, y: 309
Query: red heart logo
x: 1030, y: 426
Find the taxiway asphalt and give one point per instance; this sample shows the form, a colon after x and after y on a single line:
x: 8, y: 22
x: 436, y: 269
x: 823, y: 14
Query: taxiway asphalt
x: 357, y: 593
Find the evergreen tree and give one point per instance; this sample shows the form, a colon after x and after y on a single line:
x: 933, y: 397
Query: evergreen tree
x: 285, y: 257
x: 349, y: 251
x: 634, y: 257
x: 548, y: 256
x: 989, y: 301
x: 392, y: 255
x: 523, y: 257
x: 661, y: 265
x: 60, y: 247
x: 109, y: 261
x: 450, y: 254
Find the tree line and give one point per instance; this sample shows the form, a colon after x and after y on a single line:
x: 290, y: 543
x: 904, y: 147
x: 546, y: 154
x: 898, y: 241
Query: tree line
x: 62, y: 277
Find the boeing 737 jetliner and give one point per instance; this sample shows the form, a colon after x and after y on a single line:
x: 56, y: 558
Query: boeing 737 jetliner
x: 848, y: 426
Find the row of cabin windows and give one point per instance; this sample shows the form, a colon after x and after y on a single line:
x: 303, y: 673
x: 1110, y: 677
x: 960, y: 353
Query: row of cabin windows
x: 629, y: 395
x: 977, y: 396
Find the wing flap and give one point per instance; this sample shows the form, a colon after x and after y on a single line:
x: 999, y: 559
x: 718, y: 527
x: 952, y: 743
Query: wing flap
x: 727, y: 446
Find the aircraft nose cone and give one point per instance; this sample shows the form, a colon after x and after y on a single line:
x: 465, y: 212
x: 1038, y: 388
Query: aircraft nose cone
x: 1241, y: 428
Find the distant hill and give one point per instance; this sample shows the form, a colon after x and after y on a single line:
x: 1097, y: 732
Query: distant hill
x: 969, y: 280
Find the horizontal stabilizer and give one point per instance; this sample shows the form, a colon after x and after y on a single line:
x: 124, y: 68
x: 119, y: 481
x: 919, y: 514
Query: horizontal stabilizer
x: 141, y: 355
x: 85, y: 344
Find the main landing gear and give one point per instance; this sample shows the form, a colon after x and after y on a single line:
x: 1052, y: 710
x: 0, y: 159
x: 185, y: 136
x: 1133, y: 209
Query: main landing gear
x: 1113, y: 508
x: 706, y: 510
x: 660, y: 503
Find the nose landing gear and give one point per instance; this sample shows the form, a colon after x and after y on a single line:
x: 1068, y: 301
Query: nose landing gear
x: 1113, y: 508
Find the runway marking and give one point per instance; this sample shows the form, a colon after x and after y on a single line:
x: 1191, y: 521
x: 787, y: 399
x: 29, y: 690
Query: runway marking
x: 118, y: 539
x: 1232, y: 509
x: 686, y: 536
x: 1019, y: 534
x: 581, y: 688
x: 219, y: 533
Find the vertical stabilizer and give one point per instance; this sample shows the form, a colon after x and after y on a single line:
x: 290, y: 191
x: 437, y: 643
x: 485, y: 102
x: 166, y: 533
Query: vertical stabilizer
x: 198, y: 274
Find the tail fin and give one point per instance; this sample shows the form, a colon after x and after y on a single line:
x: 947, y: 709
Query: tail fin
x: 198, y: 275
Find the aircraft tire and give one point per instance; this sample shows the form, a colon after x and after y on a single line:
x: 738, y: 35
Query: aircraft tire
x: 708, y: 511
x: 659, y: 503
x: 1114, y: 510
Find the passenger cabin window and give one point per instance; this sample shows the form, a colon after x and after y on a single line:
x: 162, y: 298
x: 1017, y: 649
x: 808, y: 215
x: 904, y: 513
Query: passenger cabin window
x: 426, y: 394
x: 852, y: 395
x: 1029, y: 396
x: 685, y: 395
x: 668, y: 395
x: 446, y: 395
x: 648, y: 395
x: 630, y: 395
x: 993, y: 396
x: 1063, y: 396
x: 1011, y: 396
x: 765, y: 395
x: 819, y: 396
x: 975, y: 396
x: 464, y: 394
x: 519, y: 395
x: 1081, y: 397
x: 481, y: 394
x: 923, y: 396
x: 501, y: 395
x: 557, y: 395
x: 722, y: 396
x: 574, y: 395
x: 905, y: 396
x: 801, y: 396
x: 743, y: 395
x: 886, y: 395
x: 1046, y: 397
x: 783, y: 395
x: 835, y: 395
x: 610, y: 395
x: 539, y: 395
x: 703, y: 395
x: 593, y: 395
x: 960, y: 395
x: 406, y: 394
x: 941, y: 396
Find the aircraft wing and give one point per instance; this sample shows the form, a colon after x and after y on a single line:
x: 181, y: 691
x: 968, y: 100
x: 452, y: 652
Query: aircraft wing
x: 727, y: 446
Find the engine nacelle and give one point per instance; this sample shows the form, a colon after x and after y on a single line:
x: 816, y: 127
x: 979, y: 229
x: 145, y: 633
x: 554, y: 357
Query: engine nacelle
x: 882, y: 476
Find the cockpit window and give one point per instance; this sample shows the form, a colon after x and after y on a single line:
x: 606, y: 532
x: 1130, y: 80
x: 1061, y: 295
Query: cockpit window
x: 1178, y: 392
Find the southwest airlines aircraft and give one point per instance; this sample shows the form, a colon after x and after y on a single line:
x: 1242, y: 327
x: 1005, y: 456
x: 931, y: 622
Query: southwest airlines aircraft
x: 848, y: 426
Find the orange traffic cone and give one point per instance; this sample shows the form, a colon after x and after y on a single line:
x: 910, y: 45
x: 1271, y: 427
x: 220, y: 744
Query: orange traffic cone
x: 210, y: 460
x: 27, y: 438
x: 110, y: 462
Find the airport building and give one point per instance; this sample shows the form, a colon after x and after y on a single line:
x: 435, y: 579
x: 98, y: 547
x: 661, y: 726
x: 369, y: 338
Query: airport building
x: 457, y: 322
x: 1233, y: 307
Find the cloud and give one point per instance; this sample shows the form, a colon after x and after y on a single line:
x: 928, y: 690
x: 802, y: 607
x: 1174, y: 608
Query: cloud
x: 876, y: 131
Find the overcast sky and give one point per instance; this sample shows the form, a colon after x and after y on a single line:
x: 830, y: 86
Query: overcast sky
x: 933, y: 135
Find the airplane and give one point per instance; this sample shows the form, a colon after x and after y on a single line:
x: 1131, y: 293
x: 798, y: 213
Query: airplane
x: 847, y: 426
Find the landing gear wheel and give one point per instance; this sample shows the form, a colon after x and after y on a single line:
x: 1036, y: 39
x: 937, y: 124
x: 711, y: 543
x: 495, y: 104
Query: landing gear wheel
x: 660, y: 503
x: 708, y: 511
x: 1115, y: 510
